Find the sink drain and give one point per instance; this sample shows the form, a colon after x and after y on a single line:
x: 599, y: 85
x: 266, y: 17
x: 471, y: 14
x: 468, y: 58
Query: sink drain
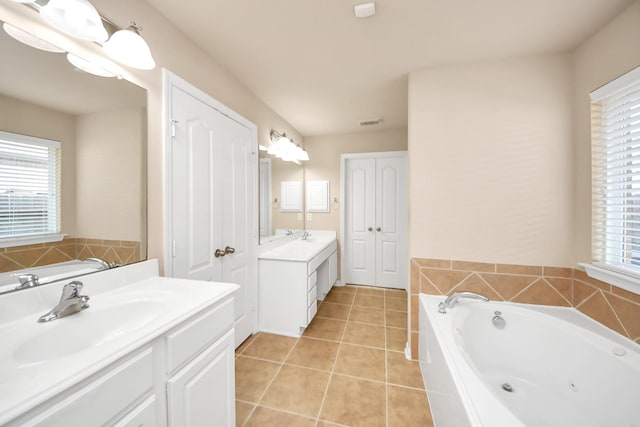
x: 507, y: 387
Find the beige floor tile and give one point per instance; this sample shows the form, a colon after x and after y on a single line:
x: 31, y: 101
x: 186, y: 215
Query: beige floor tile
x: 334, y: 311
x: 270, y: 347
x: 362, y: 362
x: 340, y: 297
x: 369, y: 335
x: 297, y: 390
x: 404, y: 372
x: 252, y: 377
x: 408, y: 407
x: 266, y: 417
x: 396, y: 339
x: 328, y: 329
x: 396, y: 319
x: 397, y: 304
x: 370, y: 290
x: 355, y: 402
x: 347, y: 288
x: 369, y: 301
x: 246, y: 343
x: 395, y: 293
x: 374, y: 316
x: 243, y: 409
x: 314, y: 353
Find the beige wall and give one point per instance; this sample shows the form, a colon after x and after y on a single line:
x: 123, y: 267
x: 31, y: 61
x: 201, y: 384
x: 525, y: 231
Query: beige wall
x: 324, y: 164
x: 110, y: 175
x: 612, y: 51
x: 490, y: 164
x: 28, y: 119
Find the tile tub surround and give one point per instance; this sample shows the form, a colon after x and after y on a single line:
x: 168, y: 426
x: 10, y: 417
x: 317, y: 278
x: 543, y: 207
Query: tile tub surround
x: 613, y: 307
x: 347, y: 369
x: 70, y: 248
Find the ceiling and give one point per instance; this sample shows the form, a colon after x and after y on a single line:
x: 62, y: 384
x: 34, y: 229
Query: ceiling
x: 323, y: 70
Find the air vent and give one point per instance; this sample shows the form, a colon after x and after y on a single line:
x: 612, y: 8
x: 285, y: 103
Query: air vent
x: 371, y: 122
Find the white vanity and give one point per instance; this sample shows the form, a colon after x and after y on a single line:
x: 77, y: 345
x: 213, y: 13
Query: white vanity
x: 149, y: 351
x: 292, y: 277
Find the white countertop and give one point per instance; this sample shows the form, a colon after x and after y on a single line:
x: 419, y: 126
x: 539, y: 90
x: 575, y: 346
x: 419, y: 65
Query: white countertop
x: 301, y: 250
x: 139, y: 311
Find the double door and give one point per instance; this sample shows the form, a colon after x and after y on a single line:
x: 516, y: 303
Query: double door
x: 214, y: 185
x: 375, y: 219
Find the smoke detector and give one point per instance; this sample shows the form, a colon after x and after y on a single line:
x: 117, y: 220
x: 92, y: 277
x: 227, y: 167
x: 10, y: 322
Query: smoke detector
x: 364, y: 10
x: 371, y: 122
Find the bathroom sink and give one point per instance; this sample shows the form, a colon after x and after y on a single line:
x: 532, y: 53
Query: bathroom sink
x: 85, y: 330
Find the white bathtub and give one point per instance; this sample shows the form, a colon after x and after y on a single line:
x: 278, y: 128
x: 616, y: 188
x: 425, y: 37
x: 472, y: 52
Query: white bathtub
x: 564, y: 369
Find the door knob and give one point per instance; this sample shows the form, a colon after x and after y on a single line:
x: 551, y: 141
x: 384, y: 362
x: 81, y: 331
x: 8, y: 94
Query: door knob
x: 370, y: 228
x: 378, y: 229
x: 219, y: 253
x: 229, y: 250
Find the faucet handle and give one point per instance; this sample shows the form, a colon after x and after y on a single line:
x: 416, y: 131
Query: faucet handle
x: 72, y: 290
x: 27, y: 280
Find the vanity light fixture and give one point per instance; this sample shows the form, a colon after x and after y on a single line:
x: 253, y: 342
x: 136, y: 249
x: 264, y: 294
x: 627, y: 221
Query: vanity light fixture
x: 88, y: 66
x: 129, y: 48
x: 284, y: 148
x: 29, y: 39
x: 75, y: 17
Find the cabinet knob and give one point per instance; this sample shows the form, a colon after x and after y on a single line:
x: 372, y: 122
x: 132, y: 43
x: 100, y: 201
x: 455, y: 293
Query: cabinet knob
x: 219, y: 253
x: 370, y: 228
x: 378, y: 229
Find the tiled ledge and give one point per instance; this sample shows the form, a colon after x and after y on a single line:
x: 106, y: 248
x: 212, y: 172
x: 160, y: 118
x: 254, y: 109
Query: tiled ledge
x: 614, y: 307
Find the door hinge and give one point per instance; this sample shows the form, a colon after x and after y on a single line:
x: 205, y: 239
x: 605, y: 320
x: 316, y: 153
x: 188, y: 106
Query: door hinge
x: 173, y: 248
x: 173, y: 127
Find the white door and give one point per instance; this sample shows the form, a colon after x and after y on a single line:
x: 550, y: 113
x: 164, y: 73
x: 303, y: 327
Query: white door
x: 214, y: 191
x: 375, y: 219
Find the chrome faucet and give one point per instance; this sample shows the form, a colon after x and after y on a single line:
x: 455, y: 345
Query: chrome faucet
x: 70, y: 302
x: 453, y: 299
x: 305, y: 234
x: 289, y: 233
x: 103, y: 264
x: 27, y: 280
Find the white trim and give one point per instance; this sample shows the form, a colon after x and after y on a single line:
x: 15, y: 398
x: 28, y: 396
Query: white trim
x: 12, y: 242
x: 617, y: 84
x: 28, y: 139
x: 622, y: 279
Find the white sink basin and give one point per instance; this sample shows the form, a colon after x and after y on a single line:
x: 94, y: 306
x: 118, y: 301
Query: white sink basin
x: 87, y: 329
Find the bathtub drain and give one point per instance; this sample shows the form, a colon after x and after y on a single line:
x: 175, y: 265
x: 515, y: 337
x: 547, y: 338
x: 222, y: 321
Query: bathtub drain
x: 507, y: 387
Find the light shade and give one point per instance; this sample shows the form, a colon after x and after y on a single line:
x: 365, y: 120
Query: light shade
x: 88, y: 67
x: 284, y: 148
x: 29, y: 39
x: 129, y: 48
x: 76, y: 17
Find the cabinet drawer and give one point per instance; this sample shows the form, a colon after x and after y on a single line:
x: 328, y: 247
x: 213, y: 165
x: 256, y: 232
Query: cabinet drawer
x: 311, y: 311
x: 115, y: 390
x: 187, y: 341
x: 312, y: 295
x: 312, y: 280
x: 143, y: 415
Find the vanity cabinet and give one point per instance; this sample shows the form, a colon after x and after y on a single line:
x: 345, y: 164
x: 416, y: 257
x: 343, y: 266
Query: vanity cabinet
x: 291, y: 280
x: 182, y: 378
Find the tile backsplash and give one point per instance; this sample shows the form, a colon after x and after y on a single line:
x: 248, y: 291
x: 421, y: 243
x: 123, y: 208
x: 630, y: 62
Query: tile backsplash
x: 614, y: 307
x: 19, y: 257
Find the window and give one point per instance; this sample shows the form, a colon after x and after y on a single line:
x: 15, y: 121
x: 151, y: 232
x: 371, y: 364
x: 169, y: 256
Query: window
x: 615, y: 133
x: 29, y: 190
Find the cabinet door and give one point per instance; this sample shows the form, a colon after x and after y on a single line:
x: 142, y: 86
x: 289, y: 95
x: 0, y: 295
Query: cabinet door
x: 203, y: 392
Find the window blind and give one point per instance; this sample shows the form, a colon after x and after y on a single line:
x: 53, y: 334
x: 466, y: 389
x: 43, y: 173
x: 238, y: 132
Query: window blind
x: 615, y: 133
x: 29, y: 186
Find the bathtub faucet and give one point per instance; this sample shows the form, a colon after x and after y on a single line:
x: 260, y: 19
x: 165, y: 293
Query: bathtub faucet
x: 453, y: 299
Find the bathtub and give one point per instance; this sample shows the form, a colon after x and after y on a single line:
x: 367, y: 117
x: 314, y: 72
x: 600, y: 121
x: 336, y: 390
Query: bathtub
x: 548, y: 366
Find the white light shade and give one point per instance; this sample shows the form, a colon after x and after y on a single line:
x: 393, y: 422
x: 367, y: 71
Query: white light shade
x: 24, y: 1
x: 29, y: 39
x: 129, y: 48
x: 88, y: 67
x: 76, y: 17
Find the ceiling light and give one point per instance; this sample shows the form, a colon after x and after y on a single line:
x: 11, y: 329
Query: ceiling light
x: 88, y: 66
x: 29, y: 39
x: 364, y: 10
x: 283, y: 147
x: 76, y: 17
x: 129, y: 48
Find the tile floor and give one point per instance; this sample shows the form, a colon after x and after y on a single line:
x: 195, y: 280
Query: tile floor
x: 348, y: 369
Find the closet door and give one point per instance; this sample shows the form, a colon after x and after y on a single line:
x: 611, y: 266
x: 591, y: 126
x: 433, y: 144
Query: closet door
x: 359, y: 245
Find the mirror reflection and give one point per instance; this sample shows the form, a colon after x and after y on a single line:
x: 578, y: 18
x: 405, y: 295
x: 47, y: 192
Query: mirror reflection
x: 276, y: 218
x: 100, y: 125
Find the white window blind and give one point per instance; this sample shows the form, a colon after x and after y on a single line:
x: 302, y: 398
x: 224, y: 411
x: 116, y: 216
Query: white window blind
x: 615, y: 132
x: 29, y: 186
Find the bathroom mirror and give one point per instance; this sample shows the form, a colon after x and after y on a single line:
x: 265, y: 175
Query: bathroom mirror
x: 274, y: 222
x: 101, y: 124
